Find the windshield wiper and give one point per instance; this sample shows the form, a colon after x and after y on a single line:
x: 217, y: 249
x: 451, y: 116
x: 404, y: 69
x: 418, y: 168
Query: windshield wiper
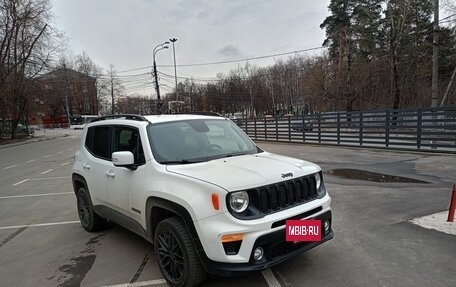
x: 183, y: 161
x: 235, y: 154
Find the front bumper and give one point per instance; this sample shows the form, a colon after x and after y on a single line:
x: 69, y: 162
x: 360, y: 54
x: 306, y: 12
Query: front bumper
x: 276, y: 250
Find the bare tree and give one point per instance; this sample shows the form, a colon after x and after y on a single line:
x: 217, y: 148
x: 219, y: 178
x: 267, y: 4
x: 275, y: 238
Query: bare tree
x: 27, y: 42
x: 92, y: 72
x: 109, y: 88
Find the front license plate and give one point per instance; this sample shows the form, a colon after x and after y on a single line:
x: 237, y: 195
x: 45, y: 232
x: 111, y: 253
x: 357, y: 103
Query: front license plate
x: 303, y: 230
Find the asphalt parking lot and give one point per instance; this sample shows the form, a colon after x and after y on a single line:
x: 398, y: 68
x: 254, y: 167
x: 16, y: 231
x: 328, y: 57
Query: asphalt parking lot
x: 43, y: 244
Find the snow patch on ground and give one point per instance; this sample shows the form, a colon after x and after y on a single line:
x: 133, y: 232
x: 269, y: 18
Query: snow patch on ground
x: 436, y: 221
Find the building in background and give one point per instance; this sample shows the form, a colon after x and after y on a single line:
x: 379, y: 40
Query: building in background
x: 58, y: 89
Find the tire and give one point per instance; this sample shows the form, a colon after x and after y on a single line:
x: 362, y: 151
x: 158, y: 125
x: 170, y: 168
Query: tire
x: 178, y: 261
x: 89, y: 219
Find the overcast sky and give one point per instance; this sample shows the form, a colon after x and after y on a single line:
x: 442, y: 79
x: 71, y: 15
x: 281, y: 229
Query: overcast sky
x: 124, y: 33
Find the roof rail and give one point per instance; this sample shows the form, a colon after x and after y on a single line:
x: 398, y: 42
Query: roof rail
x: 126, y: 116
x: 201, y: 113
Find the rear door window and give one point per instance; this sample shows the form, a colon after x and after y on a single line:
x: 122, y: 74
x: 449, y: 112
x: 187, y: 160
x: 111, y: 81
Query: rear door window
x: 98, y: 141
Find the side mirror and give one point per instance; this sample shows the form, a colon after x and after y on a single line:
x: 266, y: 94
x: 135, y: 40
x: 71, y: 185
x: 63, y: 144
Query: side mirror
x: 124, y: 159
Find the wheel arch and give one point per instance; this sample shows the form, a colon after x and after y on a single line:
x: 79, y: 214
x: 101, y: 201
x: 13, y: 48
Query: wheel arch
x: 158, y: 209
x: 78, y: 182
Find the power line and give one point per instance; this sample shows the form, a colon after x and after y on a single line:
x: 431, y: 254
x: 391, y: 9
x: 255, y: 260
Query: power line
x: 245, y: 59
x: 452, y: 15
x: 225, y: 62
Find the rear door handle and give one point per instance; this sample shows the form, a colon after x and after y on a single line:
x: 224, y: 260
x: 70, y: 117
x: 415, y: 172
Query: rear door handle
x: 110, y: 174
x: 86, y: 166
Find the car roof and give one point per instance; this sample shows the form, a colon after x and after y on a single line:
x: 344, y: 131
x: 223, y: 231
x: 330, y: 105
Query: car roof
x: 153, y: 119
x: 178, y: 117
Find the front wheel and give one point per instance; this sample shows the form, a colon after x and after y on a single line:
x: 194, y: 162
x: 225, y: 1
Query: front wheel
x: 89, y: 219
x: 175, y: 254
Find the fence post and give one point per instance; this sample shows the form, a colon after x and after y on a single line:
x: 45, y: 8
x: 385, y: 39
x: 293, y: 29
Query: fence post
x: 419, y: 119
x: 265, y: 130
x: 255, y: 126
x: 303, y: 129
x: 289, y: 129
x: 338, y: 127
x: 277, y: 128
x: 246, y: 126
x: 387, y: 127
x: 360, y: 128
x: 319, y: 127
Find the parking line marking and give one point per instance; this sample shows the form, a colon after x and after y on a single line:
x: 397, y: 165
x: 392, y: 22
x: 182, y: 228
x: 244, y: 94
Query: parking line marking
x: 70, y: 148
x: 34, y: 195
x: 32, y: 160
x: 39, y: 225
x: 63, y: 164
x: 139, y: 284
x: 270, y: 278
x: 11, y: 166
x: 60, y: 152
x: 46, y: 156
x: 49, y: 170
x: 47, y: 178
x: 22, y: 181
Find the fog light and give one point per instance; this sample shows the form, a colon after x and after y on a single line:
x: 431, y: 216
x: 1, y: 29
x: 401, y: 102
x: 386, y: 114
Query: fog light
x: 327, y: 225
x: 258, y: 253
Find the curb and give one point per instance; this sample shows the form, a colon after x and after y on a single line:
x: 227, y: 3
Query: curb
x: 33, y: 140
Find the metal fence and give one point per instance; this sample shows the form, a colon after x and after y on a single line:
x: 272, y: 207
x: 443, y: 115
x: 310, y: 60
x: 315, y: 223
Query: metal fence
x: 418, y: 129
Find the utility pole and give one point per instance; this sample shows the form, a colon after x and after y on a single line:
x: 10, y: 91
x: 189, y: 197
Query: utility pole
x: 157, y: 87
x: 435, y: 57
x: 173, y: 40
x: 435, y: 68
x: 66, y: 95
x: 112, y: 90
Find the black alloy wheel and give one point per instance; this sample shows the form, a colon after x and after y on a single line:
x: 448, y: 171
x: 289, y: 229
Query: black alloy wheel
x: 171, y: 255
x: 89, y: 219
x: 83, y: 210
x: 178, y: 261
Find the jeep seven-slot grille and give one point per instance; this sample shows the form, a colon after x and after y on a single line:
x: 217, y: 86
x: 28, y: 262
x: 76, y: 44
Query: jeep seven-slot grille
x: 287, y: 193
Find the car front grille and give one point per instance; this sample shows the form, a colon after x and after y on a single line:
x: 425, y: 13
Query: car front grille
x: 286, y: 194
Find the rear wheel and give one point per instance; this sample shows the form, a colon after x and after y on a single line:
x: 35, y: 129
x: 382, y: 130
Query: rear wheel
x: 89, y: 219
x: 175, y: 254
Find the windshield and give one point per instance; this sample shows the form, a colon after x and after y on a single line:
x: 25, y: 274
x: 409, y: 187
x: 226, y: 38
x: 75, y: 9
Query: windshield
x: 191, y: 141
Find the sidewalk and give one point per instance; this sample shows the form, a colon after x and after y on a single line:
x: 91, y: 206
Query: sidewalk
x: 44, y: 134
x: 436, y: 221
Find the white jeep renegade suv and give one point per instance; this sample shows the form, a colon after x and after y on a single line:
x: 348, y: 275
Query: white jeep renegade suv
x: 199, y: 189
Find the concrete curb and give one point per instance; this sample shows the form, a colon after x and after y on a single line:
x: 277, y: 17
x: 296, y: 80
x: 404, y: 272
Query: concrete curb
x: 33, y: 140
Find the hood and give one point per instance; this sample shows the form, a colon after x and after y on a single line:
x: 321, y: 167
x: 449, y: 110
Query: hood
x: 247, y: 171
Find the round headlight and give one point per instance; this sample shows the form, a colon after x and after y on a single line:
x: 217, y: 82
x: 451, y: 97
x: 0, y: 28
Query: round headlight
x: 239, y: 201
x: 318, y: 180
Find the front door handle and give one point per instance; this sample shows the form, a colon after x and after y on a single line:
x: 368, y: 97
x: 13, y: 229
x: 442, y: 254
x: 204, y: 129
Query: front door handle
x: 110, y: 174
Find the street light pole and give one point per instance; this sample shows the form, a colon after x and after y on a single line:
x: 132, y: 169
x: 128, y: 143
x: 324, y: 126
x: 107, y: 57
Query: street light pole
x: 173, y: 40
x: 157, y: 87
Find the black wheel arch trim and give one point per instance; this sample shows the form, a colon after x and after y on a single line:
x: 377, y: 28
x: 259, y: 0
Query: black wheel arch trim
x: 183, y: 214
x: 78, y: 180
x: 172, y: 207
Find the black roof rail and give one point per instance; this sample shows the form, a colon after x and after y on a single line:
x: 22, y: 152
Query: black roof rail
x: 201, y: 113
x: 126, y: 116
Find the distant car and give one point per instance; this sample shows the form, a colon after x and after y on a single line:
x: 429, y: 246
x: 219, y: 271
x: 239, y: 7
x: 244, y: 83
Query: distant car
x: 298, y: 125
x: 21, y: 130
x: 24, y: 130
x: 79, y: 122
